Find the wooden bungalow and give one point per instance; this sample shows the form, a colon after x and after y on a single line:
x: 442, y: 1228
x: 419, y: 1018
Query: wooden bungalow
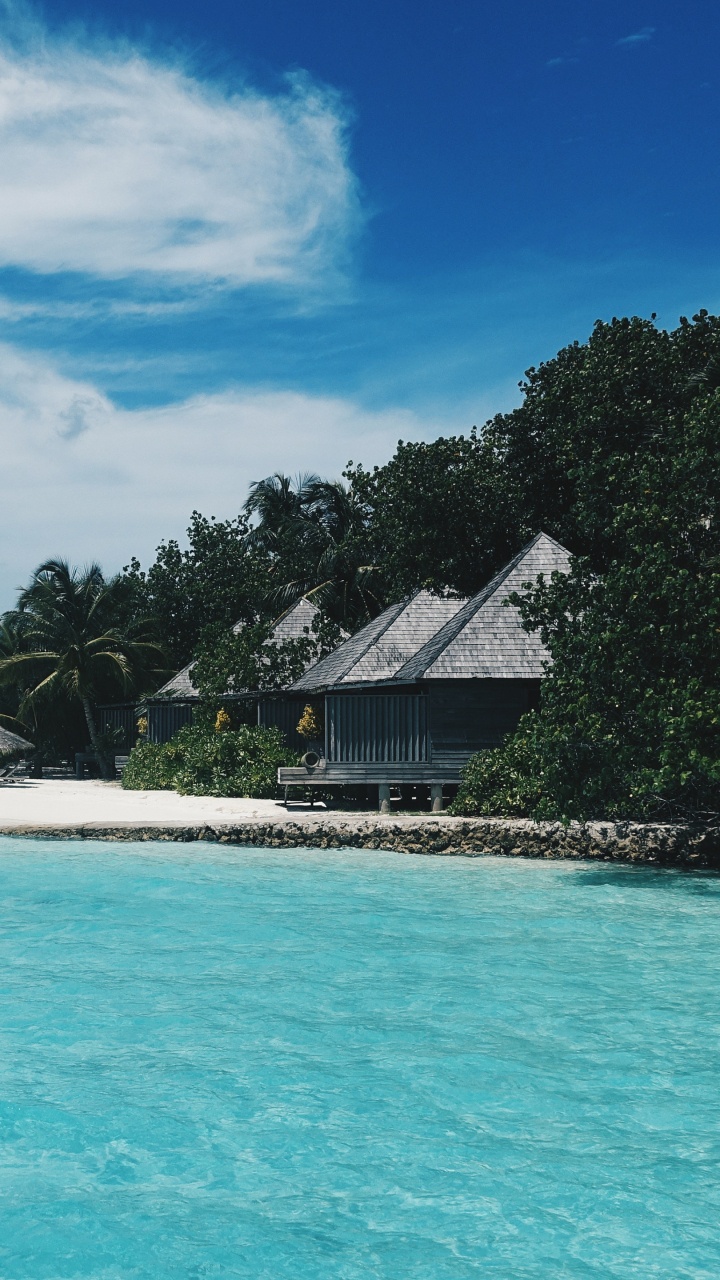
x: 175, y: 703
x: 413, y: 706
x: 374, y: 653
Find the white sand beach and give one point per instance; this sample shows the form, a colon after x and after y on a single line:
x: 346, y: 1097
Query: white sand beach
x: 64, y: 801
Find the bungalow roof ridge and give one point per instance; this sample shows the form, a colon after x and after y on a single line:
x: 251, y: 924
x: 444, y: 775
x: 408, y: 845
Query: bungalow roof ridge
x: 307, y: 681
x: 416, y: 666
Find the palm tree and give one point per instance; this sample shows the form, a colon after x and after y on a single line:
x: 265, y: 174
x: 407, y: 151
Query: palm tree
x: 72, y: 643
x: 316, y: 532
x: 12, y: 626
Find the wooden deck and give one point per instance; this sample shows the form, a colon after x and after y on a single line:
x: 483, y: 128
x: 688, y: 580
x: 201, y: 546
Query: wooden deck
x: 380, y: 774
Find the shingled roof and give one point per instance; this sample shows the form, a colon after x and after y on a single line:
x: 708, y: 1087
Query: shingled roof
x: 294, y: 624
x: 485, y: 638
x: 380, y: 648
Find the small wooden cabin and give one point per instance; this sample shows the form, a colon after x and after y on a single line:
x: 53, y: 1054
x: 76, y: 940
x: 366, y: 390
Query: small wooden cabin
x: 174, y: 705
x: 395, y: 716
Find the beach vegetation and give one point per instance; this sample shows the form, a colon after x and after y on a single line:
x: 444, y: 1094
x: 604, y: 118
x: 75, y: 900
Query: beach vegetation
x: 68, y: 647
x: 613, y: 450
x: 629, y: 719
x: 199, y: 761
x: 316, y: 535
x: 310, y: 724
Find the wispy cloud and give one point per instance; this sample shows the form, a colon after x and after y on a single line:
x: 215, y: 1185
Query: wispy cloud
x: 108, y: 482
x: 113, y: 162
x: 14, y: 311
x: 562, y: 62
x: 642, y: 36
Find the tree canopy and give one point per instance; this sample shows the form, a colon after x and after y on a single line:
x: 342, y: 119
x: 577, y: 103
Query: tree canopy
x: 452, y: 512
x: 629, y: 719
x: 67, y: 647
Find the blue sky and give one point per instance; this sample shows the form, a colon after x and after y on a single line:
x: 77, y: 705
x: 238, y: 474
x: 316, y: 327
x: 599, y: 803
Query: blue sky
x: 280, y: 234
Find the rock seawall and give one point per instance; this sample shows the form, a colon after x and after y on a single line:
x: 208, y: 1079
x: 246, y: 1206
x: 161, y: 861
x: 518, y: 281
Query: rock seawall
x: 686, y: 846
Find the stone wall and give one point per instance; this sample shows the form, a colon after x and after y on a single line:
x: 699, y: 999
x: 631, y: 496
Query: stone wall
x: 642, y: 843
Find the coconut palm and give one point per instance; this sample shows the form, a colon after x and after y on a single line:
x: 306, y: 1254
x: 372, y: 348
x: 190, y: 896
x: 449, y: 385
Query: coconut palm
x: 316, y: 531
x: 72, y: 644
x: 12, y: 627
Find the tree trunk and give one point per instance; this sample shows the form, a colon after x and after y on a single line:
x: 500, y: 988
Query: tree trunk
x: 92, y: 730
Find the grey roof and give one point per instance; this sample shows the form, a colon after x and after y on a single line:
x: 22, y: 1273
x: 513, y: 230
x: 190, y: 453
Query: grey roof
x: 10, y: 743
x: 294, y: 624
x: 380, y: 648
x: 181, y: 686
x: 485, y: 639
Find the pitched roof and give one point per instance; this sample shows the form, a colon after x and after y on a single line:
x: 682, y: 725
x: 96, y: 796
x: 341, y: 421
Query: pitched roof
x: 181, y: 686
x: 485, y: 638
x: 380, y: 648
x: 291, y: 625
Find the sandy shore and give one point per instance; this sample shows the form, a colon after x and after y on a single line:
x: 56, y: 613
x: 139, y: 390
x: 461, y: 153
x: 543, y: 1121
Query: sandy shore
x: 63, y: 801
x: 66, y: 809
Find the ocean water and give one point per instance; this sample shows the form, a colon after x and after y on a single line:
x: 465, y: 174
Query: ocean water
x: 300, y: 1065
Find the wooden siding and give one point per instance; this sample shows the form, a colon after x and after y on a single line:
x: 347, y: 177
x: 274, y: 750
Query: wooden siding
x: 284, y: 714
x: 372, y: 727
x: 165, y: 718
x: 120, y: 715
x: 467, y: 716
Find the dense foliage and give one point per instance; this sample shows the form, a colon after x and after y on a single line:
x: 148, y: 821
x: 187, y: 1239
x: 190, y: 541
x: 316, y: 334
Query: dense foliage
x: 629, y: 721
x: 218, y: 578
x: 228, y: 660
x: 452, y: 512
x: 315, y: 533
x: 63, y: 649
x: 207, y: 761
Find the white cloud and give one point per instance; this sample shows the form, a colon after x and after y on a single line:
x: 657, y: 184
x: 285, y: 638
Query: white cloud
x: 88, y: 480
x: 113, y: 163
x: 638, y: 37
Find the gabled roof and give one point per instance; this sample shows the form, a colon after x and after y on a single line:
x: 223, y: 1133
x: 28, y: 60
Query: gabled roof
x: 380, y: 648
x: 485, y: 638
x: 294, y: 624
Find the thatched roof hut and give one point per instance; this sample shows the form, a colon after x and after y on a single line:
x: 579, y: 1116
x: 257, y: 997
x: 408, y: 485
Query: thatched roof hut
x: 11, y: 744
x: 485, y: 639
x: 414, y: 694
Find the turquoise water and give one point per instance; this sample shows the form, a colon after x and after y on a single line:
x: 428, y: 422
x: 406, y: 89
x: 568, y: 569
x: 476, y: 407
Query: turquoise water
x: 279, y: 1065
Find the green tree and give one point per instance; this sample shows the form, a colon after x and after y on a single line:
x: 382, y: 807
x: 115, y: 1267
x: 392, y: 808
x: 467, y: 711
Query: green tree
x: 438, y: 515
x: 250, y: 659
x: 72, y: 647
x: 220, y: 577
x: 450, y: 513
x: 629, y: 721
x: 315, y: 534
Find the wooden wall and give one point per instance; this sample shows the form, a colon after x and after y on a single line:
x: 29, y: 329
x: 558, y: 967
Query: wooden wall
x: 166, y: 717
x: 368, y: 727
x: 469, y: 715
x: 284, y: 714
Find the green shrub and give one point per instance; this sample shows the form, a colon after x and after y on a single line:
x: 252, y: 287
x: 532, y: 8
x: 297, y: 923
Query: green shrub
x: 151, y: 767
x: 506, y: 780
x: 200, y: 762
